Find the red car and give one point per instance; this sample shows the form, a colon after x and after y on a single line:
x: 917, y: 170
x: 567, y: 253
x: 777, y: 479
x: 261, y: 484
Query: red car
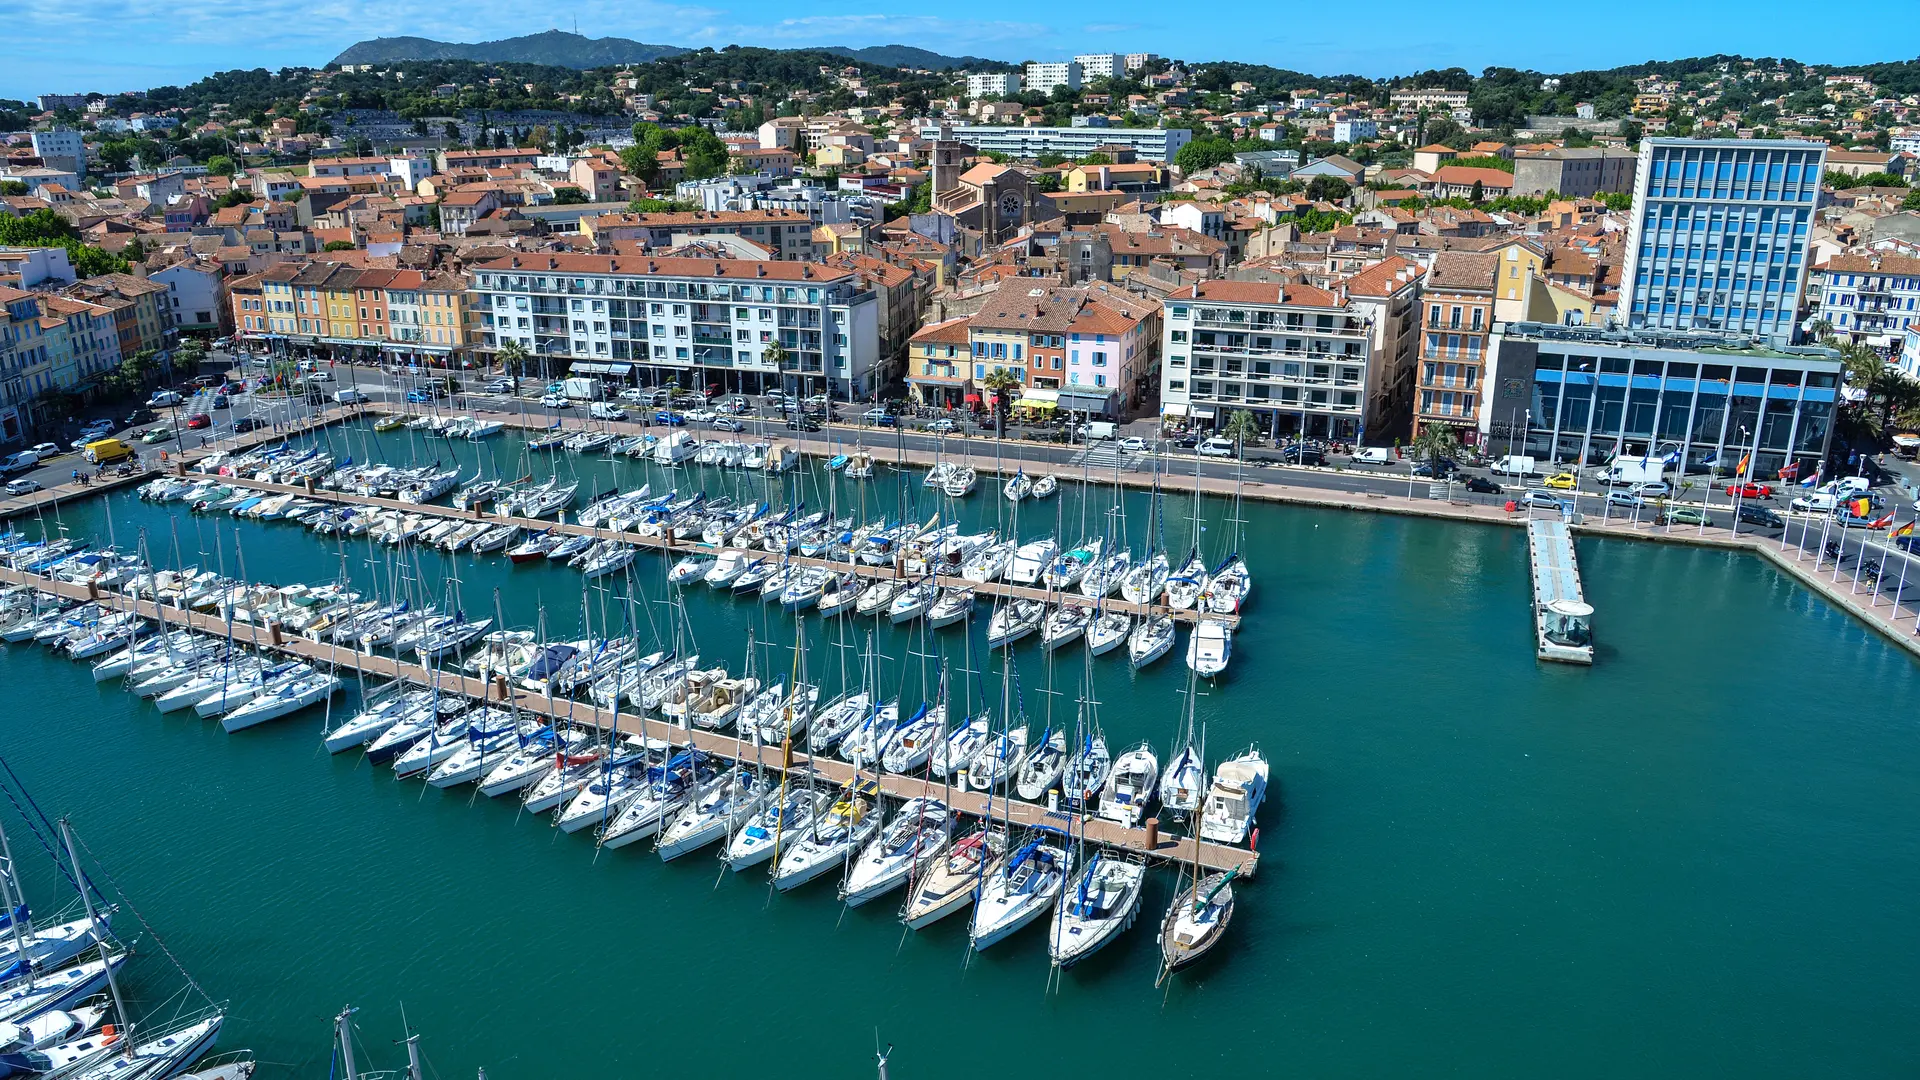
x: 199, y: 420
x: 1750, y: 491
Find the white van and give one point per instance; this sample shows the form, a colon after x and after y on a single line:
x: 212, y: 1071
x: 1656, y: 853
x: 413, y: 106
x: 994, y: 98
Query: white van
x: 1513, y: 465
x: 606, y: 410
x: 349, y: 396
x: 1819, y: 502
x: 1373, y: 455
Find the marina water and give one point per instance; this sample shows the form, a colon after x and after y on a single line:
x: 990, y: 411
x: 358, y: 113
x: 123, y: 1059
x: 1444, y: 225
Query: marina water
x: 1695, y: 858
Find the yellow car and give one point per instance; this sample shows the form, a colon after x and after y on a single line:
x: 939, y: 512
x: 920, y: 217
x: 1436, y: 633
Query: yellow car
x: 1561, y: 481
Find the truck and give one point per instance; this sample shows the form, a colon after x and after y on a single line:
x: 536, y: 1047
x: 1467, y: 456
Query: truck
x: 1373, y: 455
x: 107, y: 451
x: 582, y: 389
x: 1095, y: 430
x: 1513, y: 465
x: 1633, y: 470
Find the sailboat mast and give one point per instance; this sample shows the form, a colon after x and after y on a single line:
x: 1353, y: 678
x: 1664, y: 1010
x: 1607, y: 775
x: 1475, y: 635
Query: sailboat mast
x: 93, y: 923
x: 14, y: 901
x: 343, y: 1027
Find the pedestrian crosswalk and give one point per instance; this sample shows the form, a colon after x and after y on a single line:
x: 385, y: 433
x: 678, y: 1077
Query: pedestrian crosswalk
x: 1106, y: 454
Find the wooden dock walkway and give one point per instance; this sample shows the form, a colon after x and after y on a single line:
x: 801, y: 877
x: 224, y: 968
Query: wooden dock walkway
x: 679, y: 547
x: 1558, y: 601
x: 1149, y: 841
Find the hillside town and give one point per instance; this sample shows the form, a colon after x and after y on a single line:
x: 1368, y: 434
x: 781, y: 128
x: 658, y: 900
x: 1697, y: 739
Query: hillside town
x: 1570, y: 261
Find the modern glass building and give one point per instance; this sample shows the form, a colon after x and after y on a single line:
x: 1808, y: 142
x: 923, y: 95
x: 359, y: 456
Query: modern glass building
x: 1578, y: 395
x: 1720, y: 235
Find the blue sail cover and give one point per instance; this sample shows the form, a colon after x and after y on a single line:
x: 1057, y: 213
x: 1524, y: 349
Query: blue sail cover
x: 17, y: 915
x: 16, y: 970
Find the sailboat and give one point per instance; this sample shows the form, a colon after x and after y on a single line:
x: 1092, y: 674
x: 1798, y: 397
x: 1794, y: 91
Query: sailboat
x: 1019, y: 892
x: 1018, y: 487
x: 1227, y: 589
x: 1196, y: 920
x: 714, y: 812
x: 1150, y: 640
x: 916, y: 835
x: 1101, y: 904
x: 1042, y: 767
x: 783, y: 818
x: 956, y: 877
x: 833, y: 837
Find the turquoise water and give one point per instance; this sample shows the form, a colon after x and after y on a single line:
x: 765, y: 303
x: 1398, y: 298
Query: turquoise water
x: 1694, y: 858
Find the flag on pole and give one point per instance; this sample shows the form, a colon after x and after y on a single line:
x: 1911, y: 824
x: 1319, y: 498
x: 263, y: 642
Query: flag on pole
x: 1861, y: 507
x: 1904, y: 530
x: 1881, y: 522
x: 1812, y: 480
x: 1745, y: 460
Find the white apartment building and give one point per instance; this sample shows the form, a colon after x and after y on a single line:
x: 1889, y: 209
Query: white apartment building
x: 993, y: 84
x: 1353, y: 131
x: 1101, y: 65
x: 1137, y: 60
x: 1295, y: 356
x: 1042, y: 78
x: 1871, y: 298
x: 61, y: 148
x: 1410, y: 100
x: 702, y: 323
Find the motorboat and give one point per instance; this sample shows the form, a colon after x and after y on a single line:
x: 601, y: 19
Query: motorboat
x: 1013, y: 621
x: 1042, y: 767
x: 1183, y: 782
x: 989, y: 562
x: 692, y: 568
x: 717, y: 707
x: 534, y: 547
x: 1107, y: 631
x: 1100, y: 903
x: 1064, y: 626
x: 999, y: 760
x: 784, y: 817
x: 955, y: 877
x: 715, y: 812
x: 1150, y: 640
x: 1031, y: 560
x: 1196, y: 920
x: 1239, y: 786
x: 722, y: 571
x: 1209, y: 647
x: 833, y: 837
x: 1045, y: 486
x: 916, y: 835
x: 1130, y: 787
x: 1023, y: 890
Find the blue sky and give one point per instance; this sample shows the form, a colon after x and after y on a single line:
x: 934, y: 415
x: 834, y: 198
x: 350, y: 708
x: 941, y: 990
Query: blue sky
x: 111, y: 45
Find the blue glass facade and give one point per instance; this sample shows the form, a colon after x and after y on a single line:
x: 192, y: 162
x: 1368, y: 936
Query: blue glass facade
x: 1720, y: 235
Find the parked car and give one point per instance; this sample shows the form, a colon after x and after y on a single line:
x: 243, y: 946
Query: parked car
x: 1750, y: 491
x: 727, y: 423
x: 140, y: 415
x: 1483, y: 486
x: 803, y: 423
x: 738, y: 406
x: 199, y: 420
x: 1625, y: 499
x: 1133, y: 444
x: 633, y: 394
x: 1762, y: 516
x: 700, y: 416
x: 97, y: 428
x: 156, y: 435
x: 551, y: 401
x: 163, y: 398
x: 877, y: 416
x: 248, y: 423
x: 1565, y: 481
x: 1543, y: 499
x: 1652, y: 489
x: 319, y: 375
x: 606, y: 410
x: 20, y: 461
x: 1426, y: 468
x: 942, y: 426
x: 1303, y: 455
x: 1216, y: 447
x: 417, y: 396
x: 22, y: 486
x: 1689, y: 515
x: 44, y: 449
x: 220, y: 401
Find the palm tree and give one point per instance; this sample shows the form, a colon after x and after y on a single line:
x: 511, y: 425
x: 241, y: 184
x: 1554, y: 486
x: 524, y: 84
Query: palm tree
x: 513, y: 358
x: 1242, y: 428
x: 1434, y: 442
x: 1000, y: 383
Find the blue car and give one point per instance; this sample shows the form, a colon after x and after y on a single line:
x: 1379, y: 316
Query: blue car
x: 671, y: 419
x: 419, y: 397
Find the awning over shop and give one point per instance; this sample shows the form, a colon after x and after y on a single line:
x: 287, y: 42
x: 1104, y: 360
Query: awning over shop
x: 1173, y: 408
x: 583, y: 367
x: 1203, y: 414
x: 1036, y: 405
x: 1035, y: 397
x: 1085, y: 398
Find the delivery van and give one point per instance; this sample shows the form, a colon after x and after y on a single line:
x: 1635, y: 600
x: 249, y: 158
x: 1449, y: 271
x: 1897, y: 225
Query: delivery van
x: 107, y: 451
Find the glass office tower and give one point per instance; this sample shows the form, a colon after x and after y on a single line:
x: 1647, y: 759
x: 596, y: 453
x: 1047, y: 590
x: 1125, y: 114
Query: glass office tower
x: 1720, y: 235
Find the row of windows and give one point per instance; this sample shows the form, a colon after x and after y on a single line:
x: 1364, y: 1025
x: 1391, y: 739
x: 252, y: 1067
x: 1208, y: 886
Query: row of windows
x: 1284, y: 395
